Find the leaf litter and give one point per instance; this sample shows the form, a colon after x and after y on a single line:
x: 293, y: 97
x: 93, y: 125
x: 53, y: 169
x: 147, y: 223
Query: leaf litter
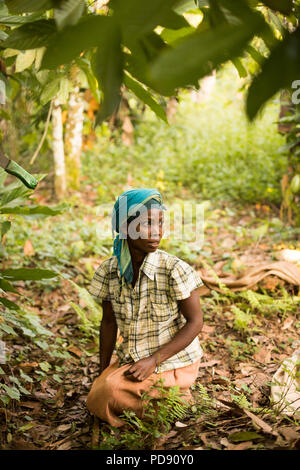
x: 236, y: 369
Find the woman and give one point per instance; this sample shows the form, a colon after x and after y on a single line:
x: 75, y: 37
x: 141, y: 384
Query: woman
x: 151, y: 297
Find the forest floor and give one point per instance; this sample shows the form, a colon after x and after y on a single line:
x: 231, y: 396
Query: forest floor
x: 236, y: 370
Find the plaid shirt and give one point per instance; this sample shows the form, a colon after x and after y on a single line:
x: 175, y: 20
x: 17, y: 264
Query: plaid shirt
x: 148, y: 315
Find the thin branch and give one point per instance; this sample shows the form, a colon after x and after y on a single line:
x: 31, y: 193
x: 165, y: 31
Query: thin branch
x: 44, y: 134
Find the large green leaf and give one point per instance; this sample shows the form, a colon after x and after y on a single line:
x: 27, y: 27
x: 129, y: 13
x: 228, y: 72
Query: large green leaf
x: 32, y: 210
x: 9, y: 304
x: 31, y: 35
x: 66, y: 45
x: 179, y: 67
x: 172, y: 36
x: 7, y: 286
x: 25, y: 6
x: 50, y: 90
x: 15, y: 20
x: 84, y: 64
x: 27, y: 274
x: 13, y: 192
x: 4, y: 227
x: 284, y: 6
x: 144, y: 95
x: 68, y: 13
x: 278, y: 71
x: 108, y: 69
x: 138, y: 18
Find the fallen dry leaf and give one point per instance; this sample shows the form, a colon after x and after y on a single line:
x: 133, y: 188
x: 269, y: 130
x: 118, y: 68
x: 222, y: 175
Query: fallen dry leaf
x: 288, y: 322
x: 260, y: 423
x: 208, y: 363
x: 28, y: 248
x: 75, y: 351
x: 263, y: 355
x: 289, y: 433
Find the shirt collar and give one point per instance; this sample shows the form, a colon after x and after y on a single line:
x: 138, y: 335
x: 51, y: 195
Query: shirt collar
x: 149, y: 265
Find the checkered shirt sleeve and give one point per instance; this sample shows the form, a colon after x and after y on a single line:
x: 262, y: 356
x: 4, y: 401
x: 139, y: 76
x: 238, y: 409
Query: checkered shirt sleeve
x: 184, y: 279
x: 99, y: 287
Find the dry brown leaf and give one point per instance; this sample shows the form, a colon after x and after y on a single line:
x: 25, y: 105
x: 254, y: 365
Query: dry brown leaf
x: 247, y: 368
x: 65, y: 446
x: 59, y: 397
x: 288, y: 322
x: 223, y: 372
x: 28, y: 248
x: 208, y: 329
x: 289, y: 433
x: 260, y: 423
x: 191, y: 448
x: 241, y: 446
x: 263, y: 355
x: 75, y: 351
x: 178, y: 424
x: 64, y: 427
x: 208, y: 363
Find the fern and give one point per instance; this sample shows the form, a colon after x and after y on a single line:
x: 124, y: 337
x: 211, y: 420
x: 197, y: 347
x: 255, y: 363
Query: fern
x: 242, y: 319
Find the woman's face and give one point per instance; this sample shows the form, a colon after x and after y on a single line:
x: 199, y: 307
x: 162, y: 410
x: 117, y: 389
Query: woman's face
x: 146, y: 231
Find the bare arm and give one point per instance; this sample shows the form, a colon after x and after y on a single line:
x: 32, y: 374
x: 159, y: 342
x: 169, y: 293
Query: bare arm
x: 107, y: 335
x: 191, y: 310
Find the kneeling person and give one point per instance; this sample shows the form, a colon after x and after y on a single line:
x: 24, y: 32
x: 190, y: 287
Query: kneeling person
x: 151, y: 296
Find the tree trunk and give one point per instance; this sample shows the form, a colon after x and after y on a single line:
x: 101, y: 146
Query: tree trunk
x: 73, y: 138
x: 58, y: 152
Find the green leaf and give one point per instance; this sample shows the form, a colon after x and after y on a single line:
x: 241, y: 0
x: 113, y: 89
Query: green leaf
x: 283, y: 58
x: 50, y: 91
x: 4, y: 227
x: 9, y: 304
x: 243, y: 436
x: 63, y: 93
x: 25, y: 60
x: 20, y: 386
x: 7, y: 286
x: 68, y: 13
x: 284, y: 6
x: 15, y: 20
x: 210, y: 49
x: 66, y: 45
x: 31, y: 35
x: 32, y: 210
x: 45, y: 366
x: 8, y: 329
x: 240, y: 68
x: 138, y: 18
x: 28, y: 274
x: 255, y: 54
x: 93, y: 84
x: 174, y: 36
x: 57, y: 378
x: 144, y: 95
x: 3, y: 35
x: 27, y: 426
x: 25, y: 376
x: 109, y: 72
x: 12, y: 392
x: 25, y: 6
x: 13, y: 193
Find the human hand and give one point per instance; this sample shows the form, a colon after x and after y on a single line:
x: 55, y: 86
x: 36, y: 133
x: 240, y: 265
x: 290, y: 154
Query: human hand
x: 141, y: 369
